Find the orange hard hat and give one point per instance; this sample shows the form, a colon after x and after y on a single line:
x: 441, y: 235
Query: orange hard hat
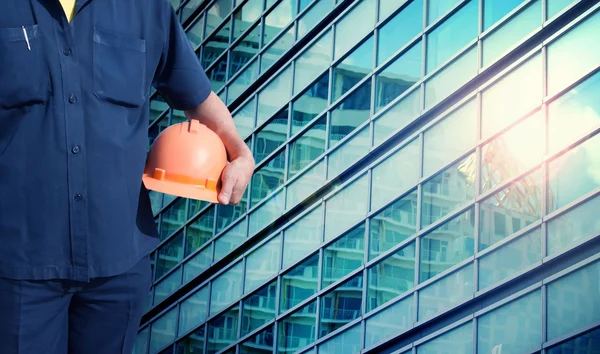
x: 186, y: 160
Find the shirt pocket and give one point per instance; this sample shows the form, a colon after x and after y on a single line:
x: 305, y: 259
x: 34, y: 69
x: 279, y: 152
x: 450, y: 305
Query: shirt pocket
x: 119, y: 68
x: 24, y: 74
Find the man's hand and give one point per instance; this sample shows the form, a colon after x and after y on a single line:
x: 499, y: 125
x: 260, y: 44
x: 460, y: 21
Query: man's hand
x: 236, y: 176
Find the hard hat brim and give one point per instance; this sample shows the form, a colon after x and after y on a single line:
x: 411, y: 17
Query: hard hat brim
x: 189, y: 191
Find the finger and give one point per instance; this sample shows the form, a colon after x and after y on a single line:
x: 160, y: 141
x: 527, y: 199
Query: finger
x: 238, y: 191
x: 228, y: 181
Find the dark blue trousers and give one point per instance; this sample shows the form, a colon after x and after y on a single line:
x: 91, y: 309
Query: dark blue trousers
x: 60, y: 317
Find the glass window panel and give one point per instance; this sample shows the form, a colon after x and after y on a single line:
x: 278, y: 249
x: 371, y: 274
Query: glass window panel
x: 349, y: 152
x: 341, y: 306
x: 245, y: 16
x: 298, y: 330
x: 276, y: 49
x: 244, y: 118
x: 446, y: 293
x: 141, y: 342
x: 273, y: 96
x: 302, y: 237
x: 197, y: 264
x: 313, y: 16
x: 399, y: 30
x: 399, y: 76
x: 163, y: 331
x: 193, y: 310
x: 351, y: 70
x: 347, y: 341
x: 189, y: 8
x: 513, y: 152
x: 279, y: 18
x: 343, y: 256
x: 217, y: 74
x: 392, y: 225
x: 195, y: 33
x: 586, y: 343
x: 387, y: 7
x: 261, y: 343
x: 573, y: 226
x: 354, y: 26
x: 215, y: 46
x: 178, y: 117
x: 169, y: 255
x: 556, y: 6
x: 438, y: 8
x: 510, y: 259
x: 244, y: 51
x: 307, y: 147
x: 395, y: 175
x: 312, y: 62
x: 494, y: 10
x: 248, y: 75
x: 391, y: 277
x: 452, y: 35
x: 448, y: 190
x: 390, y: 322
x: 447, y: 245
x: 216, y: 14
x: 511, y: 209
x: 199, y: 231
x: 453, y: 76
x: 173, y: 218
x: 266, y: 213
x: 155, y: 201
x: 262, y: 264
x: 511, y: 32
x: 457, y: 340
x: 306, y: 184
x: 227, y: 214
x: 192, y: 344
x: 226, y: 288
x: 230, y: 241
x: 271, y: 136
x: 303, y: 4
x: 398, y: 116
x: 354, y: 110
x: 347, y: 207
x: 310, y: 104
x: 574, y: 114
x: 579, y: 45
x: 299, y: 283
x: 158, y: 106
x: 167, y: 286
x: 515, y: 327
x: 223, y: 330
x: 259, y: 308
x: 168, y: 199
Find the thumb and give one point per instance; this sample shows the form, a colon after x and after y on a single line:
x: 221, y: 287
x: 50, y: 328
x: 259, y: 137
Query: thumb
x: 227, y: 183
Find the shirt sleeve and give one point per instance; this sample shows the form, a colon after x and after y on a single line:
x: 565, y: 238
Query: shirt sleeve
x: 180, y: 78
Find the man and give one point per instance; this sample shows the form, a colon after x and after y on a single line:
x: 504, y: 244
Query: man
x: 76, y: 225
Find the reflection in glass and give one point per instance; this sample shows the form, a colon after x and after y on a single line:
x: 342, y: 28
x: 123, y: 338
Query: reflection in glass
x: 236, y: 87
x: 448, y: 190
x: 141, y: 342
x: 303, y: 236
x: 266, y: 213
x: 244, y: 118
x: 197, y: 264
x: 306, y: 184
x: 226, y: 288
x: 262, y: 264
x: 279, y: 18
x: 446, y: 293
x: 398, y: 77
x: 312, y: 62
x: 447, y: 245
x: 351, y: 70
x: 398, y: 31
x: 244, y: 51
x: 395, y: 175
x: 259, y: 308
x: 391, y: 277
x: 217, y: 74
x: 510, y: 259
x: 195, y: 32
x: 189, y: 8
x: 343, y: 256
x: 274, y: 96
x: 193, y: 310
x: 167, y: 286
x: 494, y: 10
x: 347, y: 341
x: 261, y: 343
x: 346, y: 207
x: 349, y: 152
x: 298, y: 330
x: 216, y: 14
x: 199, y: 231
x: 169, y: 255
x: 553, y: 8
x: 352, y: 112
x: 573, y: 226
x: 155, y: 201
x: 299, y: 283
x: 354, y: 26
x: 511, y: 209
x: 398, y: 116
x: 313, y: 16
x: 223, y: 330
x: 392, y: 225
x: 192, y: 344
x: 245, y: 16
x: 276, y: 49
x: 515, y: 327
x: 163, y: 331
x: 438, y: 8
x: 513, y: 152
x: 457, y: 340
x: 227, y: 214
x: 173, y: 218
x: 342, y: 305
x: 310, y: 104
x: 215, y: 46
x: 158, y: 106
x: 307, y: 147
x: 392, y: 321
x: 584, y: 343
x: 271, y: 136
x: 452, y: 35
x: 578, y: 45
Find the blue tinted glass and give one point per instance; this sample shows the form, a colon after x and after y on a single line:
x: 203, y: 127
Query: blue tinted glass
x: 245, y: 16
x: 349, y: 152
x: 354, y: 26
x: 216, y: 14
x: 398, y: 116
x: 169, y: 255
x: 555, y: 6
x: 279, y: 46
x: 223, y: 330
x: 242, y: 82
x: 303, y: 236
x: 447, y: 245
x: 167, y: 286
x: 313, y: 16
x: 356, y: 105
x: 343, y: 256
x: 586, y: 343
x: 313, y: 62
x: 399, y: 30
x: 244, y: 118
x: 308, y: 147
x: 341, y: 306
x: 510, y: 259
x: 163, y: 331
x: 274, y: 96
x: 230, y: 240
x: 173, y: 218
x: 266, y: 213
x: 259, y: 308
x: 392, y: 225
x: 192, y: 344
x: 141, y: 342
x: 278, y: 19
x: 261, y: 343
x: 346, y: 342
x: 298, y: 330
x: 451, y: 290
x: 306, y: 184
x: 392, y: 321
x: 262, y: 264
x: 438, y: 8
x: 158, y: 106
x: 226, y: 288
x: 215, y: 46
x: 217, y: 74
x: 244, y: 51
x: 197, y: 264
x: 399, y: 76
x: 494, y: 10
x: 310, y: 104
x: 452, y: 35
x: 199, y: 231
x: 346, y: 208
x: 352, y: 69
x: 391, y: 277
x: 458, y: 340
x: 299, y: 283
x: 268, y: 178
x: 515, y: 327
x: 193, y: 310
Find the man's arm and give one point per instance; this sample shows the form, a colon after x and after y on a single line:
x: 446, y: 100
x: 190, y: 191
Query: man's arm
x: 235, y: 178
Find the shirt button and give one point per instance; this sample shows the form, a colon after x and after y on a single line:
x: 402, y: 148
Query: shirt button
x: 75, y: 149
x: 78, y: 197
x: 67, y: 52
x: 72, y: 99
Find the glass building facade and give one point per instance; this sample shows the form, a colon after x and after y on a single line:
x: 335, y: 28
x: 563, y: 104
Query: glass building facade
x: 427, y: 181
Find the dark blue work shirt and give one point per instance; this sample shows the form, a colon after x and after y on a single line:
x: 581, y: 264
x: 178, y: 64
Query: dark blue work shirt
x: 74, y: 116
